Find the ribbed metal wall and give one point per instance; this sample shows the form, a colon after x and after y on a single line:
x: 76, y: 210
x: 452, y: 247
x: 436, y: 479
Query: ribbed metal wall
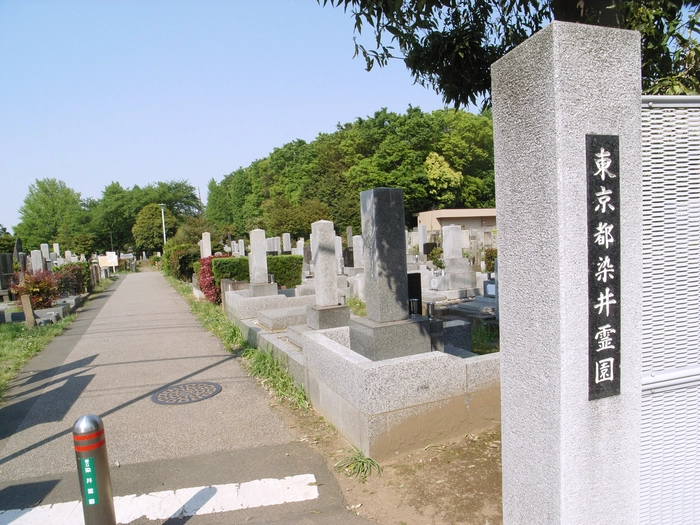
x: 670, y: 468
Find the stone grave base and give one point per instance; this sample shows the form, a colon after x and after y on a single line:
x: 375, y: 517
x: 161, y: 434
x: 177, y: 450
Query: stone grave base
x: 282, y: 318
x: 240, y: 306
x: 323, y: 317
x: 389, y: 406
x: 262, y: 290
x: 378, y: 341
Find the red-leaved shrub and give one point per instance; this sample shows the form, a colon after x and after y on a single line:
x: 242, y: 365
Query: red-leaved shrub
x: 207, y: 283
x: 41, y: 287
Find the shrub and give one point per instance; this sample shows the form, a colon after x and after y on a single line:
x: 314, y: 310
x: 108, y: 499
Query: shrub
x: 436, y: 257
x: 41, y: 287
x: 73, y: 278
x: 235, y: 268
x: 210, y: 288
x: 490, y: 255
x: 178, y: 260
x: 195, y: 267
x: 286, y: 269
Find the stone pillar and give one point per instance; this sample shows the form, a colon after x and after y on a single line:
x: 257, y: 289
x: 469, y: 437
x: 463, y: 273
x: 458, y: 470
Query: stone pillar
x: 300, y: 247
x: 568, y: 456
x: 422, y: 237
x: 241, y: 247
x: 206, y: 245
x: 327, y: 313
x: 386, y: 331
x: 339, y: 254
x: 358, y: 248
x: 277, y: 245
x: 384, y: 254
x: 56, y: 248
x: 452, y: 242
x: 257, y: 266
x: 349, y: 237
x: 38, y: 264
x: 286, y: 242
x: 257, y: 259
x: 45, y: 251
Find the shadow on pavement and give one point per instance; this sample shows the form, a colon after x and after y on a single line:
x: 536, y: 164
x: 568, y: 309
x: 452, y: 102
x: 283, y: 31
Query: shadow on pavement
x: 25, y: 495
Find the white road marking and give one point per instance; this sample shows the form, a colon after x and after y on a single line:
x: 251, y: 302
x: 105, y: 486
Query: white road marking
x: 178, y: 503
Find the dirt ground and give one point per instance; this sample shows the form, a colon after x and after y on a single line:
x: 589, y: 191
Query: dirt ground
x: 450, y: 483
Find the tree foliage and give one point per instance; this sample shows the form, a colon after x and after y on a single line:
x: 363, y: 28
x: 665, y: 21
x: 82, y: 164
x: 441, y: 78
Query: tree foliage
x: 440, y: 159
x: 451, y: 44
x: 51, y: 212
x: 148, y: 228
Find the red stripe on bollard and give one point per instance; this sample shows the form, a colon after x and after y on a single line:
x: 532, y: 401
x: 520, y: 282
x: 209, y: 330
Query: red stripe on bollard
x: 89, y: 436
x: 87, y: 448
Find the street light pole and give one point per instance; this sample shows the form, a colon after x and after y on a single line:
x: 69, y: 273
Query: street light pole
x: 162, y: 216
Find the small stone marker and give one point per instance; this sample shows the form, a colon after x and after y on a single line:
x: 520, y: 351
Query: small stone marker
x: 358, y: 251
x: 206, y: 245
x: 422, y: 237
x: 452, y: 242
x: 339, y: 254
x: 257, y: 259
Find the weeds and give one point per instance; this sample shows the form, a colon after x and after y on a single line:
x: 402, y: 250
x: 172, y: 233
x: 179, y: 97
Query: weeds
x: 358, y: 465
x: 357, y: 306
x: 485, y: 338
x: 275, y: 378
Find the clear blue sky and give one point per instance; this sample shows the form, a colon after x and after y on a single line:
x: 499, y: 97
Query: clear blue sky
x: 138, y: 91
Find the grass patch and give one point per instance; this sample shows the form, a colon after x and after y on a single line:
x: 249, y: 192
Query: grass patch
x: 357, y: 306
x: 275, y: 378
x: 212, y: 318
x: 18, y: 345
x: 485, y: 338
x: 357, y: 465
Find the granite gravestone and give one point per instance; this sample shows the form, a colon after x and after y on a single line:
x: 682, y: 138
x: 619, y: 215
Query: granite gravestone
x: 327, y: 313
x: 387, y: 331
x: 257, y: 266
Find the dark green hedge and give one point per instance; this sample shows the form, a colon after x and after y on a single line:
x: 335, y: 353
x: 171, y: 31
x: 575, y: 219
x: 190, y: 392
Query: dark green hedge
x: 178, y: 260
x: 286, y: 269
x: 235, y: 268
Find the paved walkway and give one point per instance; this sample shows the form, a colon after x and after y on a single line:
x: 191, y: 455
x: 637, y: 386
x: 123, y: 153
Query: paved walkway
x: 128, y: 343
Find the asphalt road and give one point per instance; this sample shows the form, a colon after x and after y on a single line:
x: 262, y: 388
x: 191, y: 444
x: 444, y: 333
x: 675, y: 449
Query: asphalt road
x: 133, y: 341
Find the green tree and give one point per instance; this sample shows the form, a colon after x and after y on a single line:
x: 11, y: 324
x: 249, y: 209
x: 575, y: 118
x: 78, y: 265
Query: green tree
x: 50, y: 210
x: 451, y: 44
x: 280, y: 216
x: 444, y: 183
x: 148, y: 228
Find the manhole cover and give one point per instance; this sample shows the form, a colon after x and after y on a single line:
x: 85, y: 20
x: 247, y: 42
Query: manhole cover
x: 186, y: 393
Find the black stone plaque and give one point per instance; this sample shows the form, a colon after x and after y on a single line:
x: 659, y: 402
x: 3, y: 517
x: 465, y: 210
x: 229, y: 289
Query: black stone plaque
x: 604, y: 300
x: 348, y: 259
x: 414, y: 289
x: 429, y: 247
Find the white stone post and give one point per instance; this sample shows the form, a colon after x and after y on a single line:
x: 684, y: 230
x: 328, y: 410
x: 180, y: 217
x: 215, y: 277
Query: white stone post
x: 324, y: 261
x: 206, y: 245
x: 257, y: 258
x: 568, y: 459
